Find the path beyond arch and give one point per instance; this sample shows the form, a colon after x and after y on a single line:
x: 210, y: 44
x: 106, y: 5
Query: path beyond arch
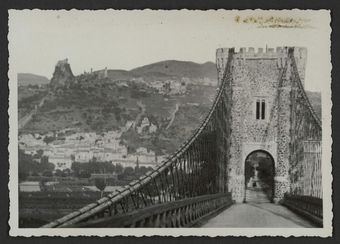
x: 254, y: 215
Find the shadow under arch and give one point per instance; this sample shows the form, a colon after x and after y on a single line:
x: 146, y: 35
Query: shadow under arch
x: 259, y: 173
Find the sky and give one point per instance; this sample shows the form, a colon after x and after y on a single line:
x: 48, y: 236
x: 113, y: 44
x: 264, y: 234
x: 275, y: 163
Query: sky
x: 128, y: 39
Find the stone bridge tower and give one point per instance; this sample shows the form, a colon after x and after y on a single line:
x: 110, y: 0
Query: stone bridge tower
x: 259, y: 91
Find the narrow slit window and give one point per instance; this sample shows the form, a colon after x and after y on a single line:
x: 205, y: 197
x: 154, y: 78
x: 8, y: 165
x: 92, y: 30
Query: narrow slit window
x: 258, y: 109
x: 263, y: 110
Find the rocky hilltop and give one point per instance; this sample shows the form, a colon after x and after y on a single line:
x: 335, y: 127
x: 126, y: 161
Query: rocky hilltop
x: 62, y: 75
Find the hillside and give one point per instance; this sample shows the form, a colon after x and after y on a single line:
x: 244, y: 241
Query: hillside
x: 110, y: 107
x: 155, y: 113
x: 25, y: 79
x: 115, y: 74
x: 157, y: 106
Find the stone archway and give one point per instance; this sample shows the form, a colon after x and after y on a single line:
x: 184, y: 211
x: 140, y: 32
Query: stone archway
x: 259, y: 173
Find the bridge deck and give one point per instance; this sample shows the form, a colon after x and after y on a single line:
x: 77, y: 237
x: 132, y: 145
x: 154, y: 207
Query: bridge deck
x: 257, y: 215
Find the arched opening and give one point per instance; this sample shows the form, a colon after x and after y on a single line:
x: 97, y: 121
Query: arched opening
x: 259, y: 177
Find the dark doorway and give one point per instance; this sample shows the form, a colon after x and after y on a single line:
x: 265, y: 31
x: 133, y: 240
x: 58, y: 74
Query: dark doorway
x: 259, y: 177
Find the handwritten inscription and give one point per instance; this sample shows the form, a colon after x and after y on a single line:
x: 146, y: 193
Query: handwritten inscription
x: 273, y: 21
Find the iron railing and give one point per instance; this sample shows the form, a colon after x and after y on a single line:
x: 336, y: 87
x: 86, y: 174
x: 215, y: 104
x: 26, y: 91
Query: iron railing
x: 181, y: 213
x: 308, y: 206
x: 197, y: 169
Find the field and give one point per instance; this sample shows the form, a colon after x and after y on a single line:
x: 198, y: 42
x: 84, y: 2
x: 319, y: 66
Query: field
x: 39, y: 208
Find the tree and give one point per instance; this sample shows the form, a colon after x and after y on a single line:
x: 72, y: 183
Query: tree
x: 27, y: 164
x: 48, y: 139
x: 47, y: 173
x: 39, y: 154
x: 58, y: 173
x: 75, y: 167
x: 128, y: 171
x: 84, y: 174
x: 119, y: 168
x: 100, y: 184
x: 23, y: 176
x: 42, y: 184
x: 44, y: 160
x: 143, y: 170
x: 66, y: 172
x: 149, y: 169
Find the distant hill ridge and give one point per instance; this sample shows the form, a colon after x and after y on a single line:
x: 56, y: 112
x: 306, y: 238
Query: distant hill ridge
x: 179, y: 68
x: 166, y: 70
x: 25, y: 79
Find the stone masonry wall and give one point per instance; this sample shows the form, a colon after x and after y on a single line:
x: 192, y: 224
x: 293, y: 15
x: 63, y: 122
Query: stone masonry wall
x: 265, y: 76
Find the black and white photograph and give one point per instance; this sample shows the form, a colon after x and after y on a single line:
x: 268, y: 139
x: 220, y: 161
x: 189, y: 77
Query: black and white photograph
x: 159, y: 122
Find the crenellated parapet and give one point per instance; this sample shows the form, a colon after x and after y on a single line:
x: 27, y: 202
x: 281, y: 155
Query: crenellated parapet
x: 250, y: 53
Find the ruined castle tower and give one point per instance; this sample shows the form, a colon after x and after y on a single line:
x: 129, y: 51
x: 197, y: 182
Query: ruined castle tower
x: 259, y: 117
x: 105, y: 72
x: 62, y: 74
